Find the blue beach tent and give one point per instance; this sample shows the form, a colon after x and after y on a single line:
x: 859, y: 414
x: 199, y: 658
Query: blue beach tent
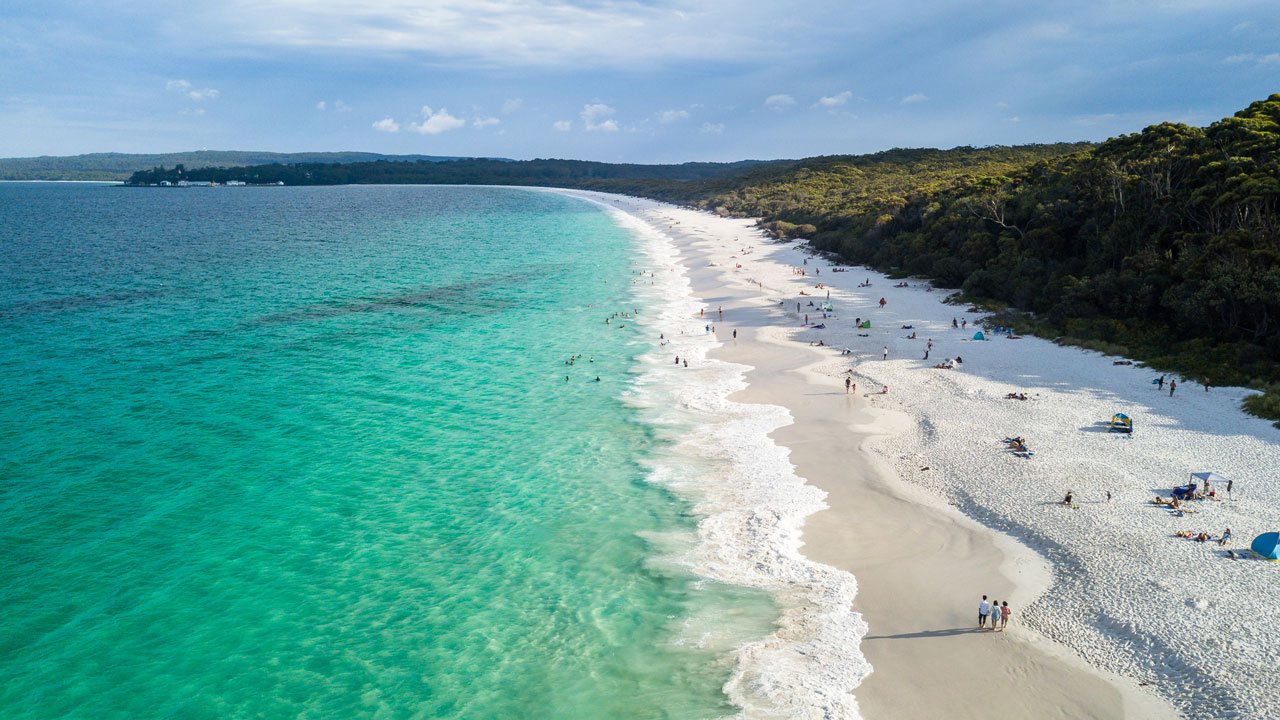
x: 979, y: 336
x: 1121, y: 423
x: 1267, y: 546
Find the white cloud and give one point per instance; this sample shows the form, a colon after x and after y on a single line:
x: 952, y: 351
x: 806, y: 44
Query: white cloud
x: 512, y: 105
x: 836, y: 100
x: 1015, y: 119
x: 1269, y: 59
x: 436, y: 122
x: 504, y: 33
x: 667, y: 117
x: 320, y: 106
x: 387, y: 125
x: 918, y: 97
x: 779, y: 101
x: 715, y: 128
x: 185, y: 87
x: 562, y: 125
x: 481, y: 123
x: 594, y: 117
x: 341, y: 106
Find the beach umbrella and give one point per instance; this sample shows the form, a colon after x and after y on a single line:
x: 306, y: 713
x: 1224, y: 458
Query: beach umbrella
x: 1267, y: 546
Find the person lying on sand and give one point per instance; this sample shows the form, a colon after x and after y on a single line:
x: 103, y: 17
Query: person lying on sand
x: 1122, y: 362
x: 1184, y: 534
x: 1016, y: 396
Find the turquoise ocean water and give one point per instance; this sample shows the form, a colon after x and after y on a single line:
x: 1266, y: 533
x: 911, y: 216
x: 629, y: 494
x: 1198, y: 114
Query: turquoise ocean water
x: 310, y: 452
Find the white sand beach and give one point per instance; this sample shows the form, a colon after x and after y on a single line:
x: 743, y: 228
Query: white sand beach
x: 1114, y: 616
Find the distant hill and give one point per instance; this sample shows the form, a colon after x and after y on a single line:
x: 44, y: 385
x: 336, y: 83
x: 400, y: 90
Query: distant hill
x: 119, y: 166
x: 465, y: 171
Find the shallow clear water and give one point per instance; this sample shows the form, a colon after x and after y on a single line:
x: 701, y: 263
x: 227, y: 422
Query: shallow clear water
x: 310, y: 452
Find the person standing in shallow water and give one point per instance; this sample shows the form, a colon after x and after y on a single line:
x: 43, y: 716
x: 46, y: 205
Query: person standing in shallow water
x: 1173, y: 385
x: 848, y: 383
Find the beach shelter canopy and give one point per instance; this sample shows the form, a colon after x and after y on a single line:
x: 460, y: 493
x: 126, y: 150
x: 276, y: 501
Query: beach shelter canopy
x: 1121, y: 423
x: 865, y: 324
x: 1209, y: 477
x: 1267, y: 545
x: 979, y: 336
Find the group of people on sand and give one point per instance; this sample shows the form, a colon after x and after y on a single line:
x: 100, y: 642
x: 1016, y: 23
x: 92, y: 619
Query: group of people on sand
x: 995, y: 611
x: 1017, y: 444
x: 1016, y: 396
x: 1204, y: 536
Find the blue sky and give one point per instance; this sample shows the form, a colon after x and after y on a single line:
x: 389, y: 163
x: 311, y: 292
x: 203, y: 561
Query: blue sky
x: 617, y: 80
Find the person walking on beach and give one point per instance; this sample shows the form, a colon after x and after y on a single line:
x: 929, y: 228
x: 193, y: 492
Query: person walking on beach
x: 1206, y: 384
x: 984, y: 609
x: 882, y: 303
x: 735, y: 335
x: 926, y: 353
x: 995, y: 614
x: 1173, y: 385
x: 954, y: 324
x: 848, y: 383
x: 1005, y: 612
x: 1229, y: 484
x: 886, y: 352
x: 1160, y: 383
x: 1108, y: 496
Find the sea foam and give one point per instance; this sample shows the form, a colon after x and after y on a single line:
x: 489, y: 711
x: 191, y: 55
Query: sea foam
x: 751, y: 503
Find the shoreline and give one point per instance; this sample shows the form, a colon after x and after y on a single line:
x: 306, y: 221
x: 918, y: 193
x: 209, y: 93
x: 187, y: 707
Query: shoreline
x: 1107, y: 588
x: 1008, y: 551
x: 750, y: 502
x: 864, y: 530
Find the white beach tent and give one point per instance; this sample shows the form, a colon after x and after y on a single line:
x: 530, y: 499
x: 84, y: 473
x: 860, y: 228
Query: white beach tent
x: 1206, y: 478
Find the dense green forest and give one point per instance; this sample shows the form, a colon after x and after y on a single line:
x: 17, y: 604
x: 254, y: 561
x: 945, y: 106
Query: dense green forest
x: 1162, y: 245
x: 467, y: 171
x: 119, y: 166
